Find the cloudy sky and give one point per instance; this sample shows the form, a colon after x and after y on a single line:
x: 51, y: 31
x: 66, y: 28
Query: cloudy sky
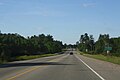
x: 66, y: 20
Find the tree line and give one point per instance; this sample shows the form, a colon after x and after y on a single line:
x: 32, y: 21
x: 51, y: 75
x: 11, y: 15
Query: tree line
x: 13, y: 45
x: 104, y: 45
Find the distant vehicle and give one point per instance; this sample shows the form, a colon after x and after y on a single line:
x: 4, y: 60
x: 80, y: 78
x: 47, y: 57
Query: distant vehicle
x: 71, y: 53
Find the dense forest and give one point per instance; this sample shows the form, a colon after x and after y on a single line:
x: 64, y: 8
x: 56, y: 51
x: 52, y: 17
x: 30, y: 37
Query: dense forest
x: 104, y: 45
x: 12, y: 45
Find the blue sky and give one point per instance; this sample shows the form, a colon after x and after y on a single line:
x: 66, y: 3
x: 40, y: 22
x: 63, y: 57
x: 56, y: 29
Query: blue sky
x: 66, y: 20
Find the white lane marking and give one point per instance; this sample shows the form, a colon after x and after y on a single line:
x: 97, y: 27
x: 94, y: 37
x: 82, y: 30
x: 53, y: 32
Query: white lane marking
x: 90, y: 68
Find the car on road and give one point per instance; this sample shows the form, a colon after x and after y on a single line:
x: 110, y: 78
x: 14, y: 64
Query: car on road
x: 71, y: 53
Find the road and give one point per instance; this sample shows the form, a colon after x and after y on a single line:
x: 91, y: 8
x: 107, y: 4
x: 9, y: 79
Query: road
x: 60, y: 67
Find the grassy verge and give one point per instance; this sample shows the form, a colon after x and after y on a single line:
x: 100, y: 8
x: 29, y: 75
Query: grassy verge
x: 33, y: 56
x: 25, y: 57
x: 112, y: 59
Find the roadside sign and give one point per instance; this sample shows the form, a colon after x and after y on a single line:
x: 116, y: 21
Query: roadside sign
x: 108, y: 48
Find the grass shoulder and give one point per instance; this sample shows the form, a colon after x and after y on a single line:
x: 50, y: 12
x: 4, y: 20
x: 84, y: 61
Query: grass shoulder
x: 112, y: 59
x: 25, y: 57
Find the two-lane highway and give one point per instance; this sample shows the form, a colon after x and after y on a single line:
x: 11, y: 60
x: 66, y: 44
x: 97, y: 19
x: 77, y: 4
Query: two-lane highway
x: 63, y: 67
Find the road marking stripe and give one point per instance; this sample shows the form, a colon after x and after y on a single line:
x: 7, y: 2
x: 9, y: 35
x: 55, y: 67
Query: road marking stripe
x: 23, y: 73
x: 34, y: 68
x: 90, y: 68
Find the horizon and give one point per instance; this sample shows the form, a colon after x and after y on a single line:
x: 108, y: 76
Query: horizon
x: 58, y: 39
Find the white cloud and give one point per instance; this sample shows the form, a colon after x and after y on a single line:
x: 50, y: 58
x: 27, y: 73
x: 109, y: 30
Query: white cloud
x: 36, y: 13
x: 45, y: 13
x: 39, y: 11
x: 42, y: 11
x: 88, y: 4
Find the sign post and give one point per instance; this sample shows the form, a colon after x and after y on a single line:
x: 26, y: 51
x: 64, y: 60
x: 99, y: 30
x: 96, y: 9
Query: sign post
x: 108, y: 49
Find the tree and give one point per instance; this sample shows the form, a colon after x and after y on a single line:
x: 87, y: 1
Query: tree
x: 86, y: 42
x: 91, y: 43
x: 13, y: 45
x: 103, y: 41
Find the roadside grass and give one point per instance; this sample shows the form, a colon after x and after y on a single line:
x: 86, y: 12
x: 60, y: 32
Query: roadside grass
x: 63, y: 50
x: 2, y: 62
x: 112, y: 59
x: 25, y: 57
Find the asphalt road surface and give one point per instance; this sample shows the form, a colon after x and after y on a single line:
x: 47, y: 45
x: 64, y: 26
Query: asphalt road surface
x: 60, y: 67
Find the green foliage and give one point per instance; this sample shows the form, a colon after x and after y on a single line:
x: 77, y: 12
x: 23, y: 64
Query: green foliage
x: 99, y: 47
x: 115, y: 44
x: 25, y: 57
x: 13, y: 45
x: 86, y: 43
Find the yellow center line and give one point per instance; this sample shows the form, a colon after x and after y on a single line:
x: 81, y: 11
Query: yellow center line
x: 23, y: 73
x: 32, y: 69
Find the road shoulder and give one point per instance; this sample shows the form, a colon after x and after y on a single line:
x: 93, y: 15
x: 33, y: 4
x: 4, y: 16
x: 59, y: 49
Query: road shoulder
x: 107, y: 70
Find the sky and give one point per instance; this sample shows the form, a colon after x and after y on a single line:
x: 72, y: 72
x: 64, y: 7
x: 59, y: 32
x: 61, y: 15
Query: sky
x: 66, y: 20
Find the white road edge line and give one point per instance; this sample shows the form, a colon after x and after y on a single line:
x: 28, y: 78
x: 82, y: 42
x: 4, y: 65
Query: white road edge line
x: 90, y: 68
